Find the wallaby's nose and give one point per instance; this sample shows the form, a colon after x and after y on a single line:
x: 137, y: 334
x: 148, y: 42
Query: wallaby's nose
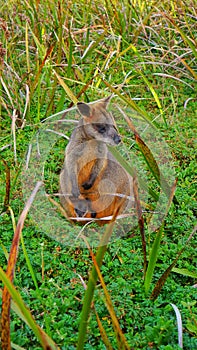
x: 117, y: 139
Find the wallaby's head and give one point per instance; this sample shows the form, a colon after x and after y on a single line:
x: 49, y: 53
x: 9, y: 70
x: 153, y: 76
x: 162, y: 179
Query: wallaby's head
x: 98, y: 123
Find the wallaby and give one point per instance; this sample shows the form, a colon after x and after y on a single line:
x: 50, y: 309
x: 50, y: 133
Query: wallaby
x: 93, y: 184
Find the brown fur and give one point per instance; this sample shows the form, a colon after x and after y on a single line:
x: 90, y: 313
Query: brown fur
x: 92, y: 183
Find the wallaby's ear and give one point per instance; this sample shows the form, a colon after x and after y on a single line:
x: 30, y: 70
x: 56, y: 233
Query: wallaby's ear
x: 106, y: 100
x: 84, y: 109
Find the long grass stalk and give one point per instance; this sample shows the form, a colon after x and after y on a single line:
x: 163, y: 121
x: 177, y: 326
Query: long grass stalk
x: 5, y: 320
x: 179, y: 325
x: 160, y: 283
x: 121, y: 340
x: 154, y: 93
x: 155, y: 248
x: 91, y: 287
x: 152, y: 261
x: 103, y: 333
x: 45, y: 340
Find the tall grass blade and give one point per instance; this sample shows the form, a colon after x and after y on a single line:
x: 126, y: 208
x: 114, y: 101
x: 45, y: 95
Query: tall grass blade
x: 186, y: 39
x: 70, y: 56
x: 6, y: 300
x: 60, y: 13
x: 13, y: 129
x: 17, y: 347
x: 154, y: 93
x: 121, y: 340
x: 140, y: 220
x: 130, y: 102
x: 29, y: 265
x: 27, y: 49
x: 7, y: 188
x: 91, y: 287
x: 185, y: 272
x: 41, y: 48
x: 164, y: 75
x: 103, y: 333
x: 38, y: 75
x: 132, y: 171
x: 160, y: 283
x: 46, y: 342
x: 179, y: 325
x: 16, y: 309
x: 93, y: 45
x: 155, y: 248
x: 122, y: 53
x: 152, y: 260
x: 150, y: 160
x: 66, y: 88
x: 189, y: 68
x: 7, y: 91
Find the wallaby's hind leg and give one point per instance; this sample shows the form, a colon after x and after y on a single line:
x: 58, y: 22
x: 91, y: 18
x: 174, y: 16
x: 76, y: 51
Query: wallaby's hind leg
x: 81, y: 207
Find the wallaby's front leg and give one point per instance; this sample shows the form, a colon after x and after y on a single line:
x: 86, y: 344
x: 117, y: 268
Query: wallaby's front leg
x: 73, y: 177
x: 81, y: 206
x: 96, y: 170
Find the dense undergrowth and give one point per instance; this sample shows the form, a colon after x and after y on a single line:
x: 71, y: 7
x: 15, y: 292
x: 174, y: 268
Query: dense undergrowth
x: 53, y: 53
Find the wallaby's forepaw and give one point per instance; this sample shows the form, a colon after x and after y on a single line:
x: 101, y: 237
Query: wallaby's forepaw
x: 87, y: 185
x: 90, y: 182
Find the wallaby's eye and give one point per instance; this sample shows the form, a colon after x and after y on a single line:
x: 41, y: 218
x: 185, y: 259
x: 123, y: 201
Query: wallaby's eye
x: 101, y: 128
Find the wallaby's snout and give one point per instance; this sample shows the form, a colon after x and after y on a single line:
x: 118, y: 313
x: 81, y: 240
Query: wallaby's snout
x: 113, y: 135
x: 117, y: 139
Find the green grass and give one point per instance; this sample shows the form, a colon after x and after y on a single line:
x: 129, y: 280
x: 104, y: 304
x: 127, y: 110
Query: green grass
x: 55, y: 53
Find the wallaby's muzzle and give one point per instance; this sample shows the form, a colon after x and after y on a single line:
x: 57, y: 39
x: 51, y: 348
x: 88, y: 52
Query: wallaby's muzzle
x: 117, y: 139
